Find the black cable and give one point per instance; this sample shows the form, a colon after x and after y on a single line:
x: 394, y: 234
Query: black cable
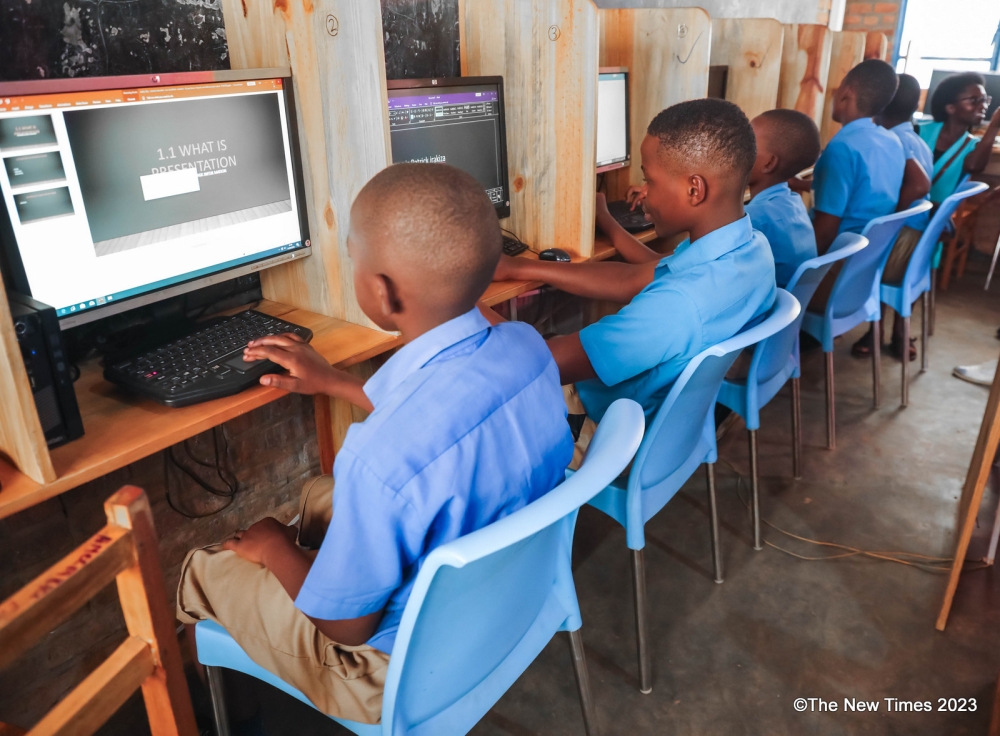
x: 231, y: 483
x: 505, y: 230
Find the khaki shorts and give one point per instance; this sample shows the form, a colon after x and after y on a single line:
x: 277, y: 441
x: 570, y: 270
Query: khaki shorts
x: 899, y: 256
x: 583, y: 432
x: 249, y: 602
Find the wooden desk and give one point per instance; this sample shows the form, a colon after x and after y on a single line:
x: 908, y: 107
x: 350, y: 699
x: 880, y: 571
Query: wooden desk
x: 122, y: 428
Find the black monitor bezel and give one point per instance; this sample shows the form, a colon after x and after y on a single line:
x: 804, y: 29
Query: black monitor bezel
x: 502, y: 209
x: 992, y: 86
x: 12, y: 268
x: 627, y: 161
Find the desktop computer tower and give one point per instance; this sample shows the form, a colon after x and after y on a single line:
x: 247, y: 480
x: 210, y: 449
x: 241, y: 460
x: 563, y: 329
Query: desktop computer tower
x: 40, y: 341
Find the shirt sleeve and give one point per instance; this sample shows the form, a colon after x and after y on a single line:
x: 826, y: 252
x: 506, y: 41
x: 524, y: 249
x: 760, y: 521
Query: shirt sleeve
x: 656, y: 325
x: 367, y: 549
x: 832, y: 180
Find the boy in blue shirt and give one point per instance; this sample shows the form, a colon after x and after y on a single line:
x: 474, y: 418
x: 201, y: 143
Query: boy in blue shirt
x: 787, y: 143
x: 467, y: 425
x: 859, y: 175
x: 696, y: 158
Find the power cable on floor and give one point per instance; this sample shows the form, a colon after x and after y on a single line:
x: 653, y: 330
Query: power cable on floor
x: 911, y: 559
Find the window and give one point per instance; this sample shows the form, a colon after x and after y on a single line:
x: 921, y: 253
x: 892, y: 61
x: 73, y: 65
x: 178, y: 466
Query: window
x: 957, y: 35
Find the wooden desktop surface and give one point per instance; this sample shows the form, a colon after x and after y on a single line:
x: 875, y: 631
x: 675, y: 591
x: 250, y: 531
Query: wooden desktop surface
x: 121, y: 428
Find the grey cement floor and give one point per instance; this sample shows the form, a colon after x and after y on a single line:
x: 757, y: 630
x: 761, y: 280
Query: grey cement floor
x: 732, y: 658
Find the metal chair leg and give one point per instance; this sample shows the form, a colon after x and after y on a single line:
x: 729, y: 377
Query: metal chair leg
x: 993, y: 265
x: 583, y: 683
x: 924, y: 334
x: 831, y: 419
x: 217, y: 693
x: 754, y: 491
x: 713, y: 511
x: 641, y: 624
x: 796, y: 429
x: 877, y: 363
x: 933, y: 300
x: 905, y: 392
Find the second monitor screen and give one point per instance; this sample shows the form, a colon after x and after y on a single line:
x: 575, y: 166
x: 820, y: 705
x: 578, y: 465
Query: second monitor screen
x: 612, y: 120
x: 460, y: 126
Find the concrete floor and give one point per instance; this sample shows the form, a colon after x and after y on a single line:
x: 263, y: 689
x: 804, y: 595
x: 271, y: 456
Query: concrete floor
x: 732, y: 658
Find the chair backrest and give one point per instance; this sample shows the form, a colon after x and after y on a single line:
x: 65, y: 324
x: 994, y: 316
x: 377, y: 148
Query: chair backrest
x: 920, y: 261
x: 770, y: 357
x: 684, y: 419
x: 858, y: 279
x: 127, y: 550
x: 484, y: 605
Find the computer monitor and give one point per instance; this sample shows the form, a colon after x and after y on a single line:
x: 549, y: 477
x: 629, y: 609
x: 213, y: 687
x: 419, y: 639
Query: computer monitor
x: 121, y: 191
x: 992, y: 89
x: 613, y: 139
x: 458, y: 121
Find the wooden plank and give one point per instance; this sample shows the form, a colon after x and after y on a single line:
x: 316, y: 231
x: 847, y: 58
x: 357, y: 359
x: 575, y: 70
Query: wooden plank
x: 546, y: 51
x: 751, y: 49
x: 805, y: 66
x: 21, y: 435
x: 335, y: 50
x: 972, y: 493
x: 667, y: 52
x: 8, y: 730
x: 148, y: 616
x: 876, y: 46
x: 51, y: 597
x: 122, y: 428
x: 91, y: 703
x: 846, y: 52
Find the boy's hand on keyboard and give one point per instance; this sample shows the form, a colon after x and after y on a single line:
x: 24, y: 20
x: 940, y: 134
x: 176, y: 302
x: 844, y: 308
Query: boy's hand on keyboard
x: 635, y: 196
x: 308, y: 371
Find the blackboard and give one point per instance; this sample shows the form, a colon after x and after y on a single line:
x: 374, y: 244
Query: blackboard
x: 421, y: 38
x: 68, y: 38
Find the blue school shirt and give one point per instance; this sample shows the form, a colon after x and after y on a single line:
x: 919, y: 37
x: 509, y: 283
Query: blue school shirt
x: 780, y: 215
x: 701, y: 295
x: 858, y: 175
x: 469, y: 426
x: 915, y: 148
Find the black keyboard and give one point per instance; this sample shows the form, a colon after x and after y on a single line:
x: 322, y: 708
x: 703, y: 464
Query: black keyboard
x: 207, y: 364
x: 632, y: 220
x: 512, y: 247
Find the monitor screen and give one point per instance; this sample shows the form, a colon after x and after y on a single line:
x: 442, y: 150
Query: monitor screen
x: 612, y: 120
x: 115, y: 193
x: 992, y: 89
x: 458, y: 121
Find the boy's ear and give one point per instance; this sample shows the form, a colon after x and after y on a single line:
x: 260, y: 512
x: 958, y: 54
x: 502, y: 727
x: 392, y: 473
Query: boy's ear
x: 387, y: 296
x: 771, y: 165
x: 697, y: 189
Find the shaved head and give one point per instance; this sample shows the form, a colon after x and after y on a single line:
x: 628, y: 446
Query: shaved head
x: 432, y: 229
x: 792, y: 136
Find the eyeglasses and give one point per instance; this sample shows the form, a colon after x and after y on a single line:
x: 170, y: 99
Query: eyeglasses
x: 977, y: 101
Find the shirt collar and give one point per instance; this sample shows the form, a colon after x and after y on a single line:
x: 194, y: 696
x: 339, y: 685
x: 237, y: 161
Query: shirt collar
x: 415, y: 355
x: 710, y: 247
x: 904, y: 127
x: 772, y: 191
x: 860, y: 123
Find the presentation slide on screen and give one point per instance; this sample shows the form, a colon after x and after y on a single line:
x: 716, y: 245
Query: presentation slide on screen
x: 114, y: 199
x: 611, y: 119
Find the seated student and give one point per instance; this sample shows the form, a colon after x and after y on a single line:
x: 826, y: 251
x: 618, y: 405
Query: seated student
x: 787, y: 143
x: 860, y: 173
x: 696, y: 158
x: 467, y: 425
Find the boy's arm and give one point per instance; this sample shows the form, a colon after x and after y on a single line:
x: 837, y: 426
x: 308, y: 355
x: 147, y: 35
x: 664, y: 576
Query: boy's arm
x: 915, y: 186
x: 624, y: 242
x: 616, y: 282
x: 826, y: 227
x: 272, y: 544
x: 569, y: 355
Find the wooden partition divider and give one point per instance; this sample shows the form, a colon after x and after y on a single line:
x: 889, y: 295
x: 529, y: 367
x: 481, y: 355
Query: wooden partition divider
x: 546, y: 51
x: 805, y: 65
x: 335, y: 51
x: 751, y: 50
x: 847, y: 51
x: 667, y: 52
x: 21, y: 436
x: 876, y: 46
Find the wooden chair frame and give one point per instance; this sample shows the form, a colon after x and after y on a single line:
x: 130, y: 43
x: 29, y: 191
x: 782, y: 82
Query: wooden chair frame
x: 126, y: 551
x: 957, y: 247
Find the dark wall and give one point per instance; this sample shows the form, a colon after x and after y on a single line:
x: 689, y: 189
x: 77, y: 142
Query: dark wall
x: 71, y: 38
x: 421, y: 38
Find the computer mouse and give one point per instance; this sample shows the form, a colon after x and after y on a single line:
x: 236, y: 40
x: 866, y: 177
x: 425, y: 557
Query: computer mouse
x: 554, y: 254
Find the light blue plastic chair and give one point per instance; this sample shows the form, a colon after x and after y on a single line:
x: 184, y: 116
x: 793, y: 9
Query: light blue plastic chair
x: 776, y: 359
x: 482, y: 608
x: 917, y: 280
x: 680, y: 438
x: 855, y: 299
